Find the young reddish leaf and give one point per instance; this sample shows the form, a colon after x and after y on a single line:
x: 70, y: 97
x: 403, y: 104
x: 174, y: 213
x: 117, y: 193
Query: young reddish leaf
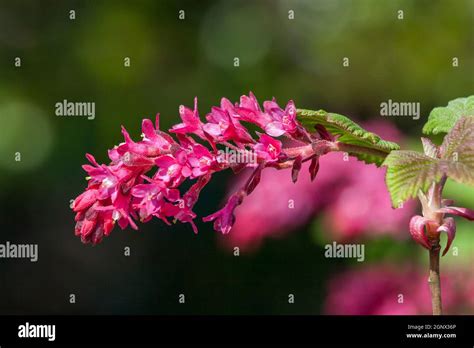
x: 410, y: 171
x: 448, y: 226
x: 459, y: 138
x: 458, y: 149
x: 446, y: 202
x: 459, y: 211
x: 417, y: 230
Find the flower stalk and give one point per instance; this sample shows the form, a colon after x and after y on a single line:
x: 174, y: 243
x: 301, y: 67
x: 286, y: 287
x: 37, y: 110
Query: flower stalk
x: 431, y: 206
x: 434, y: 279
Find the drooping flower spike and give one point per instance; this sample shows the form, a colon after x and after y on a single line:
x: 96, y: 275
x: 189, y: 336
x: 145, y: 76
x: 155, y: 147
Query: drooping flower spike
x: 144, y: 177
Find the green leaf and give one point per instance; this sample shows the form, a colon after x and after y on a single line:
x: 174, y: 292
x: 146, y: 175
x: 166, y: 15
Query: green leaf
x: 458, y: 149
x: 460, y: 139
x: 442, y: 119
x: 408, y: 172
x: 367, y: 146
x: 411, y: 171
x: 429, y: 148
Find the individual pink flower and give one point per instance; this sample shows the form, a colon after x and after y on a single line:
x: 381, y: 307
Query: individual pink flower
x: 191, y: 121
x: 154, y: 143
x: 284, y: 121
x: 153, y: 199
x: 249, y: 110
x: 121, y: 210
x: 200, y: 160
x: 222, y: 127
x: 268, y: 148
x: 224, y: 218
x: 102, y: 175
x: 174, y: 168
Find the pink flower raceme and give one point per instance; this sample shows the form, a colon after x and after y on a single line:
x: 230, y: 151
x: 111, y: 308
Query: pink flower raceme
x: 126, y: 190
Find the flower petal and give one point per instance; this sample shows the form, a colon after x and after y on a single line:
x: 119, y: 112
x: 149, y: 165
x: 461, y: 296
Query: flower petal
x: 85, y: 200
x: 212, y: 129
x: 274, y: 129
x: 147, y: 129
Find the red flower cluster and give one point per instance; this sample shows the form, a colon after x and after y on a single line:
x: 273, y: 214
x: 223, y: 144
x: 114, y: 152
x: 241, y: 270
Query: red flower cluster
x: 122, y: 191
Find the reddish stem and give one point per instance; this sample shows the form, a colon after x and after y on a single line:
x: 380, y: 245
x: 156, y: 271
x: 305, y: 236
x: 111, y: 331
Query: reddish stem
x: 434, y: 280
x: 434, y: 199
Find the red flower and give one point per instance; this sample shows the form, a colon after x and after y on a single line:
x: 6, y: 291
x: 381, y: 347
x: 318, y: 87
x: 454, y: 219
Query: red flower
x: 191, y: 122
x: 174, y: 168
x: 248, y: 110
x: 154, y: 199
x: 223, y: 127
x: 284, y: 121
x: 224, y: 218
x: 267, y: 148
x: 153, y: 144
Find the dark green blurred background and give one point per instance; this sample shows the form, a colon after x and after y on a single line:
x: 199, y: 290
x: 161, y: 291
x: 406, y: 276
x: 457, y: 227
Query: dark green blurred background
x: 172, y: 61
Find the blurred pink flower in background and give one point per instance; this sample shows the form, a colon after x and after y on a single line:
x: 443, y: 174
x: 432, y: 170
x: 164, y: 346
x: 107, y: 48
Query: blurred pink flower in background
x: 270, y: 212
x: 394, y: 290
x: 351, y: 194
x: 363, y: 207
